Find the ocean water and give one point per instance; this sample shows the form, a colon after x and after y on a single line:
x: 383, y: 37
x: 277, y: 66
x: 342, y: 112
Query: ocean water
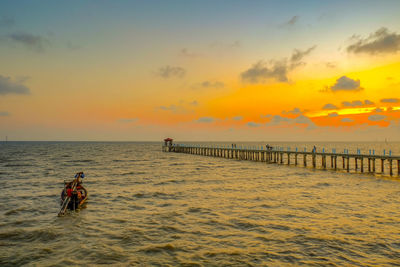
x: 148, y: 207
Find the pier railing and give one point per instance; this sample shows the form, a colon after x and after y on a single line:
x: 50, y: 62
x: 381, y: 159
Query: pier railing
x: 337, y: 161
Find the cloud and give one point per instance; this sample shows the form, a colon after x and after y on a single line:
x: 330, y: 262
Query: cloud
x: 378, y: 110
x: 225, y: 46
x: 171, y: 72
x: 329, y: 106
x: 8, y: 86
x: 292, y: 21
x: 376, y: 117
x: 194, y: 103
x: 128, y: 120
x: 266, y: 116
x: 347, y: 120
x: 277, y: 119
x: 379, y: 42
x: 35, y: 43
x: 275, y: 69
x: 253, y: 124
x: 237, y: 118
x: 184, y: 52
x: 294, y: 111
x: 390, y: 100
x: 330, y: 65
x: 302, y: 119
x: 357, y: 103
x: 4, y: 114
x: 345, y: 83
x: 6, y: 21
x: 205, y: 120
x: 170, y: 107
x: 260, y: 71
x: 209, y: 84
x: 298, y: 55
x: 333, y: 114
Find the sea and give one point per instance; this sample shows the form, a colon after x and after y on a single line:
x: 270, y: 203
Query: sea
x: 152, y: 208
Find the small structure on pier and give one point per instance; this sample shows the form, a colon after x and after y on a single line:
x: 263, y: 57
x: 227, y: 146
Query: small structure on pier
x: 168, y: 141
x: 168, y: 144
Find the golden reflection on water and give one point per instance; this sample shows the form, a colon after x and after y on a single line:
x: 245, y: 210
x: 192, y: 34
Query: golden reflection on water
x: 153, y: 208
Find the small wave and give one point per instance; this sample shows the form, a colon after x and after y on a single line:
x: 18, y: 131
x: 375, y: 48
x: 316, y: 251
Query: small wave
x: 132, y: 173
x: 169, y: 248
x: 244, y: 225
x: 18, y: 165
x: 321, y: 185
x: 43, y: 235
x: 14, y: 211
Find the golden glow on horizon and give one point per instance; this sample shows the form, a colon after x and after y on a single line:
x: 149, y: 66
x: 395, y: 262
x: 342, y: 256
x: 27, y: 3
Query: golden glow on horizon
x: 347, y: 111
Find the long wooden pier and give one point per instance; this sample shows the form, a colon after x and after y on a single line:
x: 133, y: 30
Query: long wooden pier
x: 324, y: 160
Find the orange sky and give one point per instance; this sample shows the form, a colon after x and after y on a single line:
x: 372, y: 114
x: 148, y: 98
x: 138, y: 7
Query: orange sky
x: 319, y: 72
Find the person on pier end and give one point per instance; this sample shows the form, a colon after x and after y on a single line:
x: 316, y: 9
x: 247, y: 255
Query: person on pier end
x: 314, y: 150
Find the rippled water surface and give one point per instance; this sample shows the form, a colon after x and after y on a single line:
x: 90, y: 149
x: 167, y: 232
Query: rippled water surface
x: 147, y: 207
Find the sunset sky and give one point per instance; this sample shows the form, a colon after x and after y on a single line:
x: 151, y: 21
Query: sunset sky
x: 200, y: 70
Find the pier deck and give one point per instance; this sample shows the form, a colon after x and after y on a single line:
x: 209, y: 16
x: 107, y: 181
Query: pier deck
x: 382, y: 164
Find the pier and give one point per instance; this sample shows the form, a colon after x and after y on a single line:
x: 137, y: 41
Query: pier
x: 370, y: 163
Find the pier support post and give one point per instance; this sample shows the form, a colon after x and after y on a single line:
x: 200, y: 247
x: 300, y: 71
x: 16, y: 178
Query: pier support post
x: 314, y: 163
x: 348, y: 164
x: 398, y: 167
x: 288, y: 158
x: 362, y: 164
x: 305, y: 160
x: 295, y: 159
x: 369, y: 164
x: 382, y: 165
x: 390, y: 167
x: 355, y: 163
x: 373, y: 165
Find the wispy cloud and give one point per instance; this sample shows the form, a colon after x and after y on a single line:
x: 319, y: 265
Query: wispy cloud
x: 9, y: 86
x: 184, y: 52
x: 390, y: 100
x: 379, y: 42
x: 128, y: 120
x: 293, y: 111
x: 170, y: 108
x: 376, y: 117
x: 347, y: 120
x: 171, y: 72
x: 194, y: 103
x: 4, y: 114
x: 237, y: 118
x: 205, y: 120
x: 6, y: 21
x: 291, y: 22
x: 275, y: 69
x: 30, y: 41
x: 253, y: 124
x: 211, y: 84
x: 357, y: 103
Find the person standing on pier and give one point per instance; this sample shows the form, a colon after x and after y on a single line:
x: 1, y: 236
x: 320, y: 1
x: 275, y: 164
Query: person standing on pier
x: 314, y: 150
